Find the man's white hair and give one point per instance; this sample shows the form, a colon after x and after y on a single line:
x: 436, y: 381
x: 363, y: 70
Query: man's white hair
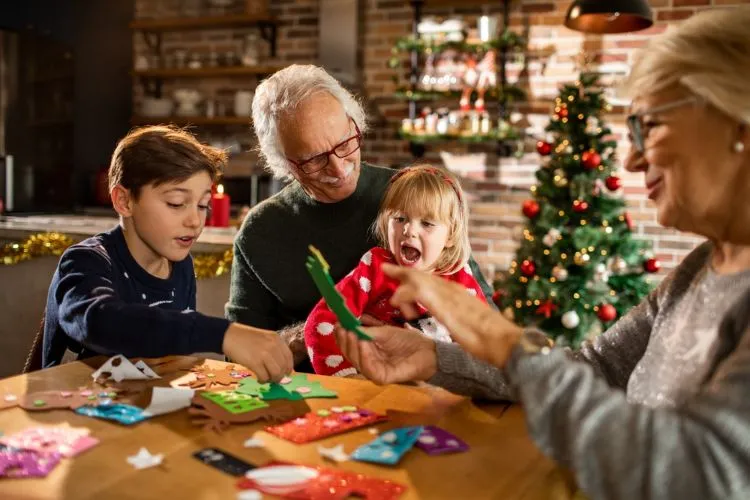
x: 281, y: 93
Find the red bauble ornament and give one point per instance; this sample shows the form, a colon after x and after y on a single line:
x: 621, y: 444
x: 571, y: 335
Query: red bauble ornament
x: 563, y: 112
x: 652, y: 265
x: 543, y: 148
x: 496, y: 296
x: 613, y: 183
x: 580, y: 206
x: 591, y: 159
x: 530, y: 208
x: 528, y: 268
x: 607, y: 313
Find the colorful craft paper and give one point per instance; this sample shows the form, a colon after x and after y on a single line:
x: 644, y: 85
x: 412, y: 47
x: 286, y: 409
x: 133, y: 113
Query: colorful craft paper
x: 437, y: 441
x: 323, y: 423
x: 389, y: 447
x: 318, y: 483
x: 296, y: 387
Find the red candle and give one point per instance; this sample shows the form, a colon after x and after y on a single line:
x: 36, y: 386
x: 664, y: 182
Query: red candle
x: 219, y: 208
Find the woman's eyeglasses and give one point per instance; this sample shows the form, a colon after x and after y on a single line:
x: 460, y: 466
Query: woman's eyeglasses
x: 638, y: 130
x: 341, y: 150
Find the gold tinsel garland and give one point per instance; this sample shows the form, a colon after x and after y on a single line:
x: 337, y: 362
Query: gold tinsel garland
x: 36, y: 245
x: 207, y: 265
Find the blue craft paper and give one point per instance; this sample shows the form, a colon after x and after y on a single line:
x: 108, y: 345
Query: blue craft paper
x: 122, y: 413
x: 380, y: 451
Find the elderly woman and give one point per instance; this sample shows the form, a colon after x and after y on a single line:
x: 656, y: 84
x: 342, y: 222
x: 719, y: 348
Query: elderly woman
x: 658, y: 406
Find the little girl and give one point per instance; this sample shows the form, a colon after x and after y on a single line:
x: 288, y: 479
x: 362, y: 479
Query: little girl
x: 422, y: 223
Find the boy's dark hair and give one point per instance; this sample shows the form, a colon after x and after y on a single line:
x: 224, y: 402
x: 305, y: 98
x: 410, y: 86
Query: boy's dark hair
x: 159, y: 154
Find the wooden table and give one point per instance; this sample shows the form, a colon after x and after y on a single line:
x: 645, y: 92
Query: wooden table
x: 502, y: 462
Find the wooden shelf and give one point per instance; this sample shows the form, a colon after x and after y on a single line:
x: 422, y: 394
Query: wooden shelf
x: 456, y: 3
x: 208, y: 72
x: 191, y: 120
x: 198, y: 23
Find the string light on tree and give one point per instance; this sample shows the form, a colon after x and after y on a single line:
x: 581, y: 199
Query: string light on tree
x: 559, y: 273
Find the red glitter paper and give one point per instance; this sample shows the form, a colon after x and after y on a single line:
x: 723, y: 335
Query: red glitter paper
x: 333, y: 484
x: 314, y: 426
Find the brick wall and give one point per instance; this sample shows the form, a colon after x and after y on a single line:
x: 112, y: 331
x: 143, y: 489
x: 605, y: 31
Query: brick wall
x: 496, y: 195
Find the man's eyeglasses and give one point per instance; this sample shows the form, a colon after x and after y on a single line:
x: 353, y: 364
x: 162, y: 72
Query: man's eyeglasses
x: 638, y: 130
x: 341, y: 150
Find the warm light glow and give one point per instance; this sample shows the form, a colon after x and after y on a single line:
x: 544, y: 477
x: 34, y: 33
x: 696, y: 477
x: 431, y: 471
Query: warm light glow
x: 220, y: 189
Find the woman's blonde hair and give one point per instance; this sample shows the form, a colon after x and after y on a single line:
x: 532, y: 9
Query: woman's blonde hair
x: 708, y: 54
x: 432, y: 193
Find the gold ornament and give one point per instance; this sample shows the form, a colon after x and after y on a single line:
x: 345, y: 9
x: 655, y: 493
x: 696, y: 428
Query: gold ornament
x: 581, y: 258
x: 36, y: 245
x: 212, y: 265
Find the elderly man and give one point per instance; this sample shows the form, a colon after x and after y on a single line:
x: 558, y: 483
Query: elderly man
x: 309, y: 130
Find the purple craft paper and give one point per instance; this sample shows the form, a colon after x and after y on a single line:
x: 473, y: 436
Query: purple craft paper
x: 68, y: 441
x: 15, y: 463
x: 437, y: 441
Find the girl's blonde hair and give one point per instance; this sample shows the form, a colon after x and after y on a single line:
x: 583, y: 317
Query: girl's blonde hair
x: 708, y: 54
x: 432, y: 193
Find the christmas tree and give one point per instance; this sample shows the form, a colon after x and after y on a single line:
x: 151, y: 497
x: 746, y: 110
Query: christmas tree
x: 578, y: 267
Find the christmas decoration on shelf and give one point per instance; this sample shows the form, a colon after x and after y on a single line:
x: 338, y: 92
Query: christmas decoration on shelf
x: 578, y: 267
x: 207, y: 265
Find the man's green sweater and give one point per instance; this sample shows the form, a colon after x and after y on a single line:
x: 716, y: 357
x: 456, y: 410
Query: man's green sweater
x: 270, y: 287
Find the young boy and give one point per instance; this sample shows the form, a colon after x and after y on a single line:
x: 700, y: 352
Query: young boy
x: 132, y: 290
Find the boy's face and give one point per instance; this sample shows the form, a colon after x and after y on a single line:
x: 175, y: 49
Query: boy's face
x: 168, y: 218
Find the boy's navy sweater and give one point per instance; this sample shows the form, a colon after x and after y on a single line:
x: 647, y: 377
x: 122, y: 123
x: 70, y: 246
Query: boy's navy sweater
x: 101, y: 301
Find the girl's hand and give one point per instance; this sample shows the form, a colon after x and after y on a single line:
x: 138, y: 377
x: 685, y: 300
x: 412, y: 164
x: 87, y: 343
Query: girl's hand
x: 482, y: 331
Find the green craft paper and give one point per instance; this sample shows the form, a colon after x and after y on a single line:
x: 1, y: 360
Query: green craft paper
x: 234, y: 401
x: 269, y: 392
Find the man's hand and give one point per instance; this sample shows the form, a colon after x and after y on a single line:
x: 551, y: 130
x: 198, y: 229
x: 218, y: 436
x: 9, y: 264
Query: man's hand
x: 262, y: 351
x: 394, y: 354
x: 294, y: 337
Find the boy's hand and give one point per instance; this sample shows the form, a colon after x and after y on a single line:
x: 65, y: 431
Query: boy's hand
x: 261, y: 351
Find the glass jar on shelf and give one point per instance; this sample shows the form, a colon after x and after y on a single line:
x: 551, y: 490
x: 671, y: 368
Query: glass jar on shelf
x: 250, y: 52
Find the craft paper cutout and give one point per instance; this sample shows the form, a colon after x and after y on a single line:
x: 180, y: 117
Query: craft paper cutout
x: 298, y: 387
x: 15, y: 463
x: 55, y: 400
x: 206, y: 376
x: 214, y: 417
x: 168, y: 399
x: 318, y: 268
x: 336, y: 453
x: 250, y: 495
x: 144, y: 459
x: 389, y: 447
x: 63, y: 440
x: 254, y: 442
x: 312, y: 426
x: 326, y: 484
x: 235, y: 402
x: 122, y: 413
x: 119, y: 368
x: 437, y: 441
